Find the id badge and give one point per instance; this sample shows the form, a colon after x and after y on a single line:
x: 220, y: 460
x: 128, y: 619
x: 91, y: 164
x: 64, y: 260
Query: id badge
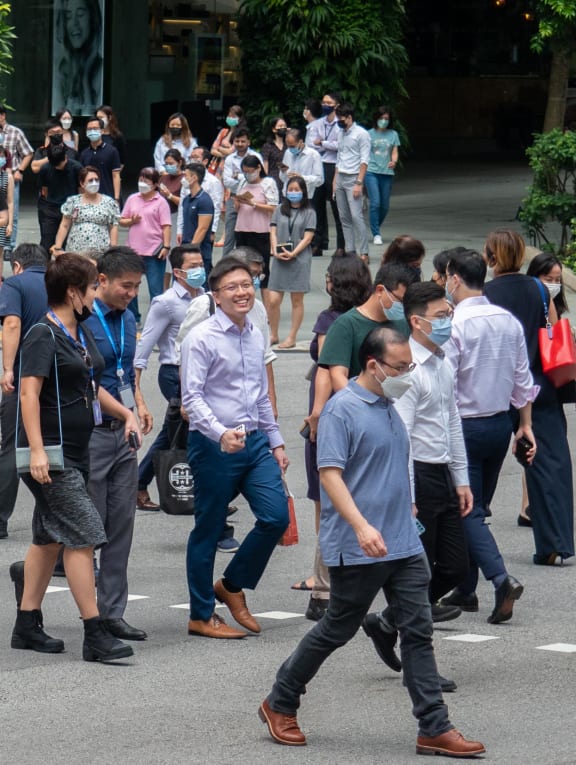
x: 126, y: 396
x: 97, y: 412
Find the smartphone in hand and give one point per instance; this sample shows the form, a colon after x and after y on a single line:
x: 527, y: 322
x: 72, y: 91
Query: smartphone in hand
x: 523, y: 446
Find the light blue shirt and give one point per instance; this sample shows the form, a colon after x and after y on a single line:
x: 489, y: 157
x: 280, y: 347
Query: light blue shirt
x: 166, y: 314
x: 329, y: 134
x: 382, y: 143
x: 361, y: 433
x: 224, y: 380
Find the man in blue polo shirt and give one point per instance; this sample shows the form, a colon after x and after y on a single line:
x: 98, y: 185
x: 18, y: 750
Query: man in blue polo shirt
x: 113, y: 481
x: 197, y: 214
x: 369, y: 542
x: 22, y: 304
x: 104, y: 157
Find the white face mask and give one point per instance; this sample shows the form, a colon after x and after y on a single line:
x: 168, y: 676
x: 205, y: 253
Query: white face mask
x: 143, y: 187
x: 92, y: 187
x: 395, y: 387
x: 553, y: 289
x: 66, y: 124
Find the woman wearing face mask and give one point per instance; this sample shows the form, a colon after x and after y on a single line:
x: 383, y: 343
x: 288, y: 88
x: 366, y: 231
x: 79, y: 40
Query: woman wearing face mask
x: 381, y: 167
x: 223, y: 143
x: 111, y: 132
x: 255, y: 200
x: 147, y: 216
x: 71, y: 138
x: 7, y: 194
x: 89, y: 219
x: 61, y: 402
x: 177, y: 135
x: 170, y: 186
x: 293, y: 224
x: 274, y: 149
x: 549, y: 478
x: 406, y: 250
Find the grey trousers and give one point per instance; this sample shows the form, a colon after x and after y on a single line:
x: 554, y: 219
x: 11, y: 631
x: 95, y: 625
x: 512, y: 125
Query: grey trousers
x: 113, y: 486
x: 8, y: 476
x: 351, y: 214
x: 352, y: 590
x: 229, y: 228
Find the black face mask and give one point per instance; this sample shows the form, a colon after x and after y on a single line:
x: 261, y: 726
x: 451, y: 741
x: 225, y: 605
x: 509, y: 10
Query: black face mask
x: 341, y: 124
x: 57, y: 139
x: 82, y: 315
x: 281, y: 132
x: 175, y: 132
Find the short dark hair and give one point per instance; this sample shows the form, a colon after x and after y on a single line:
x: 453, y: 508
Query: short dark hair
x: 2, y: 109
x: 404, y: 249
x: 247, y: 255
x: 27, y: 255
x: 198, y: 170
x: 119, y: 260
x: 151, y: 174
x: 441, y: 259
x: 345, y: 110
x: 56, y: 154
x: 178, y: 254
x: 68, y: 270
x: 314, y: 107
x: 297, y: 133
x: 350, y: 282
x: 419, y: 295
x: 223, y: 267
x: 334, y: 95
x: 175, y: 155
x: 393, y: 274
x: 376, y: 342
x: 241, y: 132
x: 470, y: 266
x: 205, y: 152
x: 380, y: 112
x: 51, y: 124
x: 95, y: 119
x: 85, y: 171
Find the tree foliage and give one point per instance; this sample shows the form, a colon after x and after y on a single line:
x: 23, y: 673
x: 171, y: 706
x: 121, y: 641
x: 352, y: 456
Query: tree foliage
x: 556, y: 25
x: 298, y: 49
x: 6, y: 37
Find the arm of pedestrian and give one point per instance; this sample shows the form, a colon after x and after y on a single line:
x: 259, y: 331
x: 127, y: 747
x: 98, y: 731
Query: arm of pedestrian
x: 114, y: 408
x: 280, y: 456
x: 465, y: 499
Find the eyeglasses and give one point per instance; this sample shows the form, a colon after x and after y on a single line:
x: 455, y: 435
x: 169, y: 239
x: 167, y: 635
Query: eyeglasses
x: 392, y: 294
x: 441, y: 315
x: 232, y: 288
x: 403, y: 369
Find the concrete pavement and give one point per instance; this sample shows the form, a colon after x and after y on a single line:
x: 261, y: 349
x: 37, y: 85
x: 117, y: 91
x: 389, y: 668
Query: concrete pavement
x: 189, y: 700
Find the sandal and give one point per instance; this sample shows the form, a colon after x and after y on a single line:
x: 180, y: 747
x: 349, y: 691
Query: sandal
x: 303, y: 585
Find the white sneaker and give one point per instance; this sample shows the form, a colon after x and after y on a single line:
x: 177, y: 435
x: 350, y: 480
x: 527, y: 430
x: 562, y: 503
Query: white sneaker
x: 378, y: 239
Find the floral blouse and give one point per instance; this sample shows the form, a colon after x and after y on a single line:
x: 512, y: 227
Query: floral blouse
x: 91, y: 223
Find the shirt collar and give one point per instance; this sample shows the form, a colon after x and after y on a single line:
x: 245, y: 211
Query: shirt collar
x: 476, y: 300
x: 106, y: 309
x: 420, y: 354
x: 227, y: 324
x: 182, y: 292
x: 363, y: 393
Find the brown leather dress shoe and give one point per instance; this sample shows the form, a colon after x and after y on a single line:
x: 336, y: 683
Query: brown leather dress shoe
x: 144, y: 502
x: 236, y: 602
x: 283, y: 728
x: 450, y: 744
x: 215, y: 627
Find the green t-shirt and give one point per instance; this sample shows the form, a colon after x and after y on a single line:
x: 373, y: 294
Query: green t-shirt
x: 346, y: 335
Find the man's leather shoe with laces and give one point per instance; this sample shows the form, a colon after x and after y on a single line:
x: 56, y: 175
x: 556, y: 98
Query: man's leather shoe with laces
x: 123, y: 631
x: 384, y: 642
x: 464, y: 602
x: 447, y: 685
x: 450, y: 744
x: 145, y: 502
x: 505, y: 595
x: 283, y: 728
x: 444, y: 613
x: 236, y: 602
x: 215, y: 627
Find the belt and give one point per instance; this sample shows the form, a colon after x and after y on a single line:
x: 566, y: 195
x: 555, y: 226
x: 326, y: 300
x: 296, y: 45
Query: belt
x: 111, y: 425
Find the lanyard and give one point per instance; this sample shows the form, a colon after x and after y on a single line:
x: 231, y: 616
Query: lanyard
x: 328, y: 130
x: 291, y: 227
x: 80, y: 346
x: 106, y: 328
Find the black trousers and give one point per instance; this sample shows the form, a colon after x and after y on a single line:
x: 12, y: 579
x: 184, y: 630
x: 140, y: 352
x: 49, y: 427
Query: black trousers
x: 49, y: 219
x: 322, y: 195
x: 8, y: 476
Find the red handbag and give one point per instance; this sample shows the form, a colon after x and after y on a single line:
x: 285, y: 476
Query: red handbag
x: 557, y: 348
x: 290, y: 536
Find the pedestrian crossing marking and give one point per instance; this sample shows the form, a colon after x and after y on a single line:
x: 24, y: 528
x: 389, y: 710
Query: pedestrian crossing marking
x: 278, y: 615
x: 53, y: 588
x: 138, y: 597
x: 559, y: 647
x: 471, y: 638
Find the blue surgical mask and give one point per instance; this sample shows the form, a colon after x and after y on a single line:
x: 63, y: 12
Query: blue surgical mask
x: 171, y: 169
x: 2, y: 161
x: 294, y: 150
x: 294, y: 196
x: 383, y: 124
x: 395, y: 312
x: 93, y: 135
x: 441, y: 329
x: 195, y: 277
x: 256, y: 282
x: 449, y: 295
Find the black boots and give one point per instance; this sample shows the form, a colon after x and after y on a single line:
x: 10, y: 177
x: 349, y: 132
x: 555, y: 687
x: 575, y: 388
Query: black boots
x: 28, y: 633
x: 100, y: 644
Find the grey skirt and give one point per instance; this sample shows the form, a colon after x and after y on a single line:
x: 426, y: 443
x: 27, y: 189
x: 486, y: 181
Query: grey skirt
x: 64, y: 513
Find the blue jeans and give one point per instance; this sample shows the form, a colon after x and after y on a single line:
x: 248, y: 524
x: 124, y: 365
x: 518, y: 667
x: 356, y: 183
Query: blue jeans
x: 378, y: 188
x: 154, y: 268
x: 352, y: 590
x: 169, y: 383
x: 487, y: 441
x: 218, y: 477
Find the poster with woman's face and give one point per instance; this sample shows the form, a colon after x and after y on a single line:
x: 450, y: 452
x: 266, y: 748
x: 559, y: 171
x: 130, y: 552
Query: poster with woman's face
x: 78, y: 47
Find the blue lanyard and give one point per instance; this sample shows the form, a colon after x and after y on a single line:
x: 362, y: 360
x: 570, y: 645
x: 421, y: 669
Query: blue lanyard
x: 106, y: 328
x: 75, y: 343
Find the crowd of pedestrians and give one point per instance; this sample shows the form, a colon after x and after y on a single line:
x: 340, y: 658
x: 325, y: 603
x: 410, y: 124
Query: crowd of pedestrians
x: 417, y: 391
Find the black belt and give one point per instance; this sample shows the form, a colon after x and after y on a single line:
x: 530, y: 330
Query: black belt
x: 111, y: 425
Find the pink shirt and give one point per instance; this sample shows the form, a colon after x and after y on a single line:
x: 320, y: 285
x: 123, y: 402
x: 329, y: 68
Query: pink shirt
x: 146, y: 236
x: 257, y: 221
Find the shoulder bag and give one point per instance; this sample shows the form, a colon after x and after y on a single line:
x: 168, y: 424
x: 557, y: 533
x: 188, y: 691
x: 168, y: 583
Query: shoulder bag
x: 557, y: 348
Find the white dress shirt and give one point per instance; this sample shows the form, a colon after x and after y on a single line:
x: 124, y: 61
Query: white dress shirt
x: 488, y: 353
x: 329, y: 134
x: 307, y: 164
x: 430, y: 414
x: 232, y: 174
x: 353, y: 149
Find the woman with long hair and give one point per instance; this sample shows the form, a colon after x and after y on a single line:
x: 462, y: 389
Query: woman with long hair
x: 177, y: 135
x: 384, y: 143
x: 111, y: 132
x: 407, y: 250
x: 70, y: 137
x: 274, y: 149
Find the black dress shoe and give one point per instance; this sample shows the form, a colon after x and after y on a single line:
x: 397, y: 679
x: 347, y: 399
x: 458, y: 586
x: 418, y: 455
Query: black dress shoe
x: 509, y: 591
x: 3, y: 529
x: 447, y: 686
x: 464, y: 602
x: 384, y: 642
x: 122, y: 630
x: 524, y: 520
x: 317, y: 607
x: 445, y: 613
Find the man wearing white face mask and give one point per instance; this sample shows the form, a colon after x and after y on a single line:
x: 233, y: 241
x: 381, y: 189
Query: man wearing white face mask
x: 438, y: 467
x: 369, y: 542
